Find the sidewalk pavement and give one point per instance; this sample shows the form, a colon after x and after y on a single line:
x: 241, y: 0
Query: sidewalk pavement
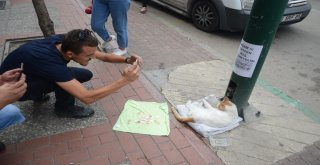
x: 280, y: 134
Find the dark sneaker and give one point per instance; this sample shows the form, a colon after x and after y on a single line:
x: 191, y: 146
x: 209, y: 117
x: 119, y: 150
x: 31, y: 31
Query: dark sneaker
x: 74, y: 112
x: 2, y: 147
x: 42, y: 98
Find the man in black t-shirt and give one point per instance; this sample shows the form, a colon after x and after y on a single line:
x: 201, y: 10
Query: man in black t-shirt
x: 45, y: 66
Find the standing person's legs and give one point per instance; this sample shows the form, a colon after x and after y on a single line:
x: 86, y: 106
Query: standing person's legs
x: 99, y: 17
x: 119, y: 10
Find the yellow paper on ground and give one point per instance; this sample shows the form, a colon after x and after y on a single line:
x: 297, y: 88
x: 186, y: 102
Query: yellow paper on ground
x: 149, y: 118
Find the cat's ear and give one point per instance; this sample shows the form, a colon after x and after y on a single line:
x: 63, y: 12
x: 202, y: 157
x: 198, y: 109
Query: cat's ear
x: 222, y: 105
x: 226, y: 101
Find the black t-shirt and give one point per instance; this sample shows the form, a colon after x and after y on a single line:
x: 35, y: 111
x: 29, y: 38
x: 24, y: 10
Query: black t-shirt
x: 41, y: 59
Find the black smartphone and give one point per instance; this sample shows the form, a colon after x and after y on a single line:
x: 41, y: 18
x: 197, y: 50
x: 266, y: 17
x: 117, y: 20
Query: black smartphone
x: 134, y: 59
x: 20, y: 74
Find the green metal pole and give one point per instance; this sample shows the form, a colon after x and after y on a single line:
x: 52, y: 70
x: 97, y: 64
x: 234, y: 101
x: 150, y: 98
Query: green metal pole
x: 264, y: 20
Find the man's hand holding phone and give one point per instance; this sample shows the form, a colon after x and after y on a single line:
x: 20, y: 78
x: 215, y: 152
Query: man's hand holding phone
x: 134, y: 58
x: 131, y: 73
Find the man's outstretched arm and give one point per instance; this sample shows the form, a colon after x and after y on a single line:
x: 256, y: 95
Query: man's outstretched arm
x: 86, y: 96
x: 109, y: 57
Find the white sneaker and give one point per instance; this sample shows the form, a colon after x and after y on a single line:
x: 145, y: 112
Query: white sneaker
x: 120, y: 52
x: 108, y: 46
x: 143, y: 10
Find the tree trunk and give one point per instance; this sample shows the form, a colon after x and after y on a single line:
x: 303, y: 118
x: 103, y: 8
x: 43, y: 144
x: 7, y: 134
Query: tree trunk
x: 45, y: 23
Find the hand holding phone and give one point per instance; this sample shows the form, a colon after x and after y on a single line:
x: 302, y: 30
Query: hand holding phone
x: 130, y: 60
x: 135, y: 58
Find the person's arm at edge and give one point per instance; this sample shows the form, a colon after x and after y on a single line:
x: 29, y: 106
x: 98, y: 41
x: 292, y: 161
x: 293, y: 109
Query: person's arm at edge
x: 12, y: 92
x: 10, y: 75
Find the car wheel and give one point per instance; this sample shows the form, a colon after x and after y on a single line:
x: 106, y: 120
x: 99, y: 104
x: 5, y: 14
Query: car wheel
x: 205, y: 16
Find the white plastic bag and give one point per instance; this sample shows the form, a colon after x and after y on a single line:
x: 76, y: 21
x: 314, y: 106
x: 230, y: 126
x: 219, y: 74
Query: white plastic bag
x: 203, y: 129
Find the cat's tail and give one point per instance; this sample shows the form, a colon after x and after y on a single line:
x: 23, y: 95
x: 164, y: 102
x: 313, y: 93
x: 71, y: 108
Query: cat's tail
x: 179, y: 117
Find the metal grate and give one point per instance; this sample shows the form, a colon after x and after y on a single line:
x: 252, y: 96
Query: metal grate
x: 2, y: 5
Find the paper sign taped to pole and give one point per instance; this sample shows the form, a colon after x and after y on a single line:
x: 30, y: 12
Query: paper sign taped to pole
x: 247, y: 58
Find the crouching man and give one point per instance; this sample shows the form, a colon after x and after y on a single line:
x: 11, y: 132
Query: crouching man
x: 45, y: 66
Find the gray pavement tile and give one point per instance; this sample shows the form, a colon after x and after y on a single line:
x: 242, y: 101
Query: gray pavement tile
x: 23, y: 19
x: 22, y: 26
x: 3, y: 19
x: 317, y: 144
x: 282, y: 162
x: 297, y: 161
x: 307, y: 156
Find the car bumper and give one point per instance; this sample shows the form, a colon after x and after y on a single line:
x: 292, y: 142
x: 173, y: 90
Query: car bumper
x: 237, y: 19
x: 303, y: 11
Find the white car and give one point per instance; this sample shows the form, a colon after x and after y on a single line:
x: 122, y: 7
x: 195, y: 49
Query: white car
x: 230, y: 15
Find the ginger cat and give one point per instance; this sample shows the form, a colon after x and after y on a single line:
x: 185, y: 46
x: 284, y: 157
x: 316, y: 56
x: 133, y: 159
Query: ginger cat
x: 224, y: 114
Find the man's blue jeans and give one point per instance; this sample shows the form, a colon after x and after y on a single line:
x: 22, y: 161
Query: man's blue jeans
x: 9, y: 115
x: 38, y: 86
x: 118, y: 10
